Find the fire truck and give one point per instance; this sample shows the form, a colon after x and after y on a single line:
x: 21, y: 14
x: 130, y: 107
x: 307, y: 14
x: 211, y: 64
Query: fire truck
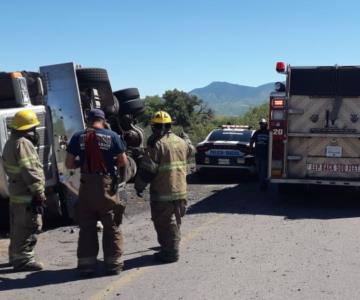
x: 315, y: 126
x: 62, y: 95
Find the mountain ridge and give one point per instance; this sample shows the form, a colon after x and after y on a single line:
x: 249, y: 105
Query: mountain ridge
x: 233, y: 99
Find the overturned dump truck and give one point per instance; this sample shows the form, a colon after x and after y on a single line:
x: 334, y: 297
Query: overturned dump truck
x: 62, y: 95
x: 315, y: 126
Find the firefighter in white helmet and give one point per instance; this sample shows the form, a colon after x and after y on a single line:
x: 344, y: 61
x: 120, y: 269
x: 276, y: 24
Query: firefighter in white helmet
x: 26, y: 189
x: 261, y: 140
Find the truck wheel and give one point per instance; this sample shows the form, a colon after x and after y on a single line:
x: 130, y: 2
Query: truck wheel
x: 133, y: 106
x: 91, y: 75
x: 112, y: 109
x: 96, y: 78
x: 127, y: 94
x: 6, y: 90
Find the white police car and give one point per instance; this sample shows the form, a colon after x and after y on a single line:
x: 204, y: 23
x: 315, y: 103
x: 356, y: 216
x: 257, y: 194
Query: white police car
x: 227, y: 147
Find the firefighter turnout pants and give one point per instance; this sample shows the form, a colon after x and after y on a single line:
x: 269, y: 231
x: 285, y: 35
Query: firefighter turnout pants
x: 262, y: 169
x: 99, y: 200
x: 166, y: 216
x: 24, y: 226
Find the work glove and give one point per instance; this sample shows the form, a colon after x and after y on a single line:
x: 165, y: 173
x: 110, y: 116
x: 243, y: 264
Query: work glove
x: 38, y: 204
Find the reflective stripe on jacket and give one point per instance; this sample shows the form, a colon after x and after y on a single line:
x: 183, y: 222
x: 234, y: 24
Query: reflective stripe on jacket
x: 23, y: 168
x: 170, y: 153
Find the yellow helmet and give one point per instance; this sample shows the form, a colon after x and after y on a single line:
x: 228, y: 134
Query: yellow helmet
x: 24, y: 120
x: 161, y: 117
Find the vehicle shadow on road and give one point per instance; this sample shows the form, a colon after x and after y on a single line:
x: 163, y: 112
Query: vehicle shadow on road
x: 221, y: 177
x: 316, y: 203
x: 37, y: 279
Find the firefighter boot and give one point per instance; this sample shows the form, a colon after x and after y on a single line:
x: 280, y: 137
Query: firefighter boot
x: 31, y: 266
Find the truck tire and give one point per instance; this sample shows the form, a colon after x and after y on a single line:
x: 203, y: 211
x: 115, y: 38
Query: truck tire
x: 131, y: 106
x: 96, y: 78
x: 112, y: 109
x: 6, y: 90
x: 127, y: 94
x: 32, y: 83
x: 92, y: 75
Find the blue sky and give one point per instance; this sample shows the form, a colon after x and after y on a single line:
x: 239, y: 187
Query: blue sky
x: 159, y: 45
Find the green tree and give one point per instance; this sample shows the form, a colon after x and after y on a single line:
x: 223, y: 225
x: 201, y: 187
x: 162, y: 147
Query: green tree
x: 152, y: 105
x: 253, y: 116
x: 186, y: 109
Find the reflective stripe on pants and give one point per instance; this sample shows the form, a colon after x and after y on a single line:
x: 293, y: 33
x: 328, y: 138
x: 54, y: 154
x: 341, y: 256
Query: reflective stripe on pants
x: 167, y: 220
x: 24, y: 226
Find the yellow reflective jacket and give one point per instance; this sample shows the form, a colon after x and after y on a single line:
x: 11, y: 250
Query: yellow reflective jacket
x: 23, y: 168
x: 170, y: 154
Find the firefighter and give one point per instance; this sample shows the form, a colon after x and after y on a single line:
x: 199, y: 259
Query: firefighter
x: 99, y: 152
x: 26, y: 190
x: 261, y: 140
x: 164, y: 167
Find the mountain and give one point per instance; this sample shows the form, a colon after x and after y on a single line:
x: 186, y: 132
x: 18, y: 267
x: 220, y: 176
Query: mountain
x: 233, y: 99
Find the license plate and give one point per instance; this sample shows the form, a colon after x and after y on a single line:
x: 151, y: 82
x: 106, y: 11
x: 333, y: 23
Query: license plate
x: 223, y: 161
x: 333, y: 151
x: 221, y: 152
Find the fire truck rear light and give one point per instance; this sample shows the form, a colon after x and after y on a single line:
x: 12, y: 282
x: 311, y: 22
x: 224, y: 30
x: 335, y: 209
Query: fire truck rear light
x: 280, y: 67
x: 279, y: 103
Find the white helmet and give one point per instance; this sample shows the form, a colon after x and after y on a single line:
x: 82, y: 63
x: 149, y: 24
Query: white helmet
x: 262, y: 121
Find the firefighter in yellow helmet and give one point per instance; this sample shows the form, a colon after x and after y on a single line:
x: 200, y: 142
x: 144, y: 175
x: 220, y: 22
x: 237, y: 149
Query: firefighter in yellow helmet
x: 164, y: 167
x: 26, y: 190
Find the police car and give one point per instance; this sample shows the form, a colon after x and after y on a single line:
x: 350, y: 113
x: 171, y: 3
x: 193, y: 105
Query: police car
x: 227, y: 147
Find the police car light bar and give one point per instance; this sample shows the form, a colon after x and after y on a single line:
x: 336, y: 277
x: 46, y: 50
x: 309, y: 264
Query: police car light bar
x: 235, y: 126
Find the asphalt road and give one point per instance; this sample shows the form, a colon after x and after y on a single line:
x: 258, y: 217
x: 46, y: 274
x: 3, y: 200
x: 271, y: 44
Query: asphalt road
x: 238, y: 243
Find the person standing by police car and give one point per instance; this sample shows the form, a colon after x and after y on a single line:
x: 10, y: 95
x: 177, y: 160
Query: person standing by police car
x: 26, y: 188
x: 100, y: 152
x: 261, y: 140
x: 164, y: 166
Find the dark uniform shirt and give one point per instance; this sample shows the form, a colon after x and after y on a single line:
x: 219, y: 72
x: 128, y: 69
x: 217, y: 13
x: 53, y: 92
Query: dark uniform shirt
x: 109, y: 143
x: 261, y: 139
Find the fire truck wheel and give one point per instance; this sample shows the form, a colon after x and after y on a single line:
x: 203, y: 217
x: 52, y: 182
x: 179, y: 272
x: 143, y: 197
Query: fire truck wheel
x: 127, y: 94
